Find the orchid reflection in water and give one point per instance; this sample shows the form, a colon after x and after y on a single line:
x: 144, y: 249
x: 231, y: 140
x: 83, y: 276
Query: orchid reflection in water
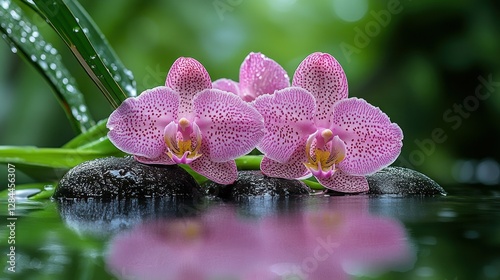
x: 318, y: 245
x: 186, y: 121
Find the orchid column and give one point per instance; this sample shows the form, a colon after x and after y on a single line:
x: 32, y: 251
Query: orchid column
x: 187, y: 122
x: 312, y: 128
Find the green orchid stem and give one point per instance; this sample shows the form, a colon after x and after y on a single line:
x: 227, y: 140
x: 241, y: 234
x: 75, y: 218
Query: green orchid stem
x: 313, y: 185
x: 252, y: 162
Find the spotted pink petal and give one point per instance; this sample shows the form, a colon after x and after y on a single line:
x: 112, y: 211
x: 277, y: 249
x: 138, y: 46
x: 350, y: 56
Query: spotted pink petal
x: 288, y: 120
x: 136, y: 126
x: 372, y: 141
x: 322, y: 75
x: 230, y: 126
x: 163, y: 159
x: 227, y: 85
x: 187, y: 76
x: 294, y: 168
x: 220, y: 172
x: 342, y: 182
x: 261, y: 75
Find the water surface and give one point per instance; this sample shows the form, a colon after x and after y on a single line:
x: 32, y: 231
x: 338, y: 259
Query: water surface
x: 336, y: 237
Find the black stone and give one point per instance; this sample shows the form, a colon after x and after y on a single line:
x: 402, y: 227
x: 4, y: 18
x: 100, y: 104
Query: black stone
x: 402, y: 181
x: 254, y: 183
x: 114, y: 177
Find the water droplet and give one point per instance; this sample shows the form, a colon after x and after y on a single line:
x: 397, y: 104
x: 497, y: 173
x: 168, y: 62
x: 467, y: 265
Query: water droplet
x: 65, y: 81
x: 70, y: 88
x: 32, y: 39
x: 14, y: 15
x: 58, y: 74
x: 53, y: 66
x: 5, y: 4
x: 26, y: 28
x: 33, y: 57
x: 129, y: 73
x: 83, y: 108
x: 13, y: 49
x: 48, y: 187
x: 35, y: 34
x: 131, y: 90
x: 43, y: 56
x: 76, y: 29
x: 93, y: 57
x: 43, y: 64
x: 85, y: 30
x: 117, y: 78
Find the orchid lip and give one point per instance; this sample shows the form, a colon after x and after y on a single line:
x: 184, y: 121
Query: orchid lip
x: 329, y: 151
x: 179, y: 141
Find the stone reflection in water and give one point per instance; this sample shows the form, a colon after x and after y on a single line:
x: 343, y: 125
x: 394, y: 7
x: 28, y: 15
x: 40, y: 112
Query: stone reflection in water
x: 105, y: 217
x: 310, y: 244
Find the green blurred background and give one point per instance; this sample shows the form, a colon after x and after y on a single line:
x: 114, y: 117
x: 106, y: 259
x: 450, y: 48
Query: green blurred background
x: 421, y: 62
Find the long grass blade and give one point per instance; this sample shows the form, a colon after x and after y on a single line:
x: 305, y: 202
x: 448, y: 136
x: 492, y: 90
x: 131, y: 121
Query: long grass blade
x: 25, y: 39
x: 89, y: 46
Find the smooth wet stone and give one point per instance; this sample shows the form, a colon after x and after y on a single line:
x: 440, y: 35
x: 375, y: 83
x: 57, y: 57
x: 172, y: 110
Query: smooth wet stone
x: 254, y: 183
x: 126, y: 178
x: 401, y: 181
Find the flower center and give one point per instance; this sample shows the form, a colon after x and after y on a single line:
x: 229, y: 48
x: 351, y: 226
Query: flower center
x: 183, y: 141
x: 324, y: 151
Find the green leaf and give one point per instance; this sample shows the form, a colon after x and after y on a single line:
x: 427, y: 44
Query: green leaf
x: 46, y: 190
x: 49, y: 164
x: 89, y: 46
x: 25, y: 39
x: 95, y: 133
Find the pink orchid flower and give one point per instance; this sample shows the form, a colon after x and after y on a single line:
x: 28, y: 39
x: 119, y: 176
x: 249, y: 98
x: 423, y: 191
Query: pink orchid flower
x: 258, y: 75
x: 187, y: 122
x: 312, y: 128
